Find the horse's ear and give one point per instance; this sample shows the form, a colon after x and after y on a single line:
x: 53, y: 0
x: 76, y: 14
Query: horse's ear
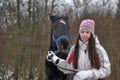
x: 51, y: 17
x: 66, y: 18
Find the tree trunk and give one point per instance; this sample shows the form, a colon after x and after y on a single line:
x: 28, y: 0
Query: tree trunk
x: 18, y: 13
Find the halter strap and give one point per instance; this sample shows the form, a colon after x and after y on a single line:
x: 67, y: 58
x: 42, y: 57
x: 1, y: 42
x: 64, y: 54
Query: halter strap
x: 59, y: 38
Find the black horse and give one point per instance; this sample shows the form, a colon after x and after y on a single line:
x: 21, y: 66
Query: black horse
x: 59, y: 44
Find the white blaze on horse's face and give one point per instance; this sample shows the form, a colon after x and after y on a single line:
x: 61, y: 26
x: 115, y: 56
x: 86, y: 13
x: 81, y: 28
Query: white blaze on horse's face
x: 62, y: 22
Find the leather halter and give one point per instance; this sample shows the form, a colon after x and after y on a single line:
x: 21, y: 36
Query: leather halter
x: 58, y: 39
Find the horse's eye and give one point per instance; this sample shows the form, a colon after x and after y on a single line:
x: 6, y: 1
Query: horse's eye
x: 55, y: 28
x: 68, y: 27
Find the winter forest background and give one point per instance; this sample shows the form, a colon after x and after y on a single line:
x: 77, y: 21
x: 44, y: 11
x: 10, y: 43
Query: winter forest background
x: 25, y: 33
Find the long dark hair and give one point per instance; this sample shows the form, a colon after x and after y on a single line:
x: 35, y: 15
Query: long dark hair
x: 93, y: 56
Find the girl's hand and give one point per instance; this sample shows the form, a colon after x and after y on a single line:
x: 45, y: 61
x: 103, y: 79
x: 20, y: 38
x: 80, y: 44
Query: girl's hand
x: 52, y: 57
x: 84, y: 74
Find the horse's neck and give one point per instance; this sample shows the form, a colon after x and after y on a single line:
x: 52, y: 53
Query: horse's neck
x: 52, y: 48
x: 52, y: 45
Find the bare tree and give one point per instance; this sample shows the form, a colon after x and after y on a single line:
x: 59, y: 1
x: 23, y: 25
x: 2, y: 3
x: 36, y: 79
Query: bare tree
x: 29, y: 10
x: 18, y: 13
x: 46, y: 7
x: 118, y: 11
x: 52, y: 6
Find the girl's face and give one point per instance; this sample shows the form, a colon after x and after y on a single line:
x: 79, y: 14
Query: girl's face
x: 85, y: 35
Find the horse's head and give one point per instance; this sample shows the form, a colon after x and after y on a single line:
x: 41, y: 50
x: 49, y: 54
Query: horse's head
x: 59, y: 33
x: 59, y: 44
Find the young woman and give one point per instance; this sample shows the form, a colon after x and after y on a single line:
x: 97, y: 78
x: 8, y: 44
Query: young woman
x: 86, y: 56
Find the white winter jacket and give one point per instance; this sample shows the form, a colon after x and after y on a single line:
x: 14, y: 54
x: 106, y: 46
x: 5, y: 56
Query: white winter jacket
x: 84, y: 62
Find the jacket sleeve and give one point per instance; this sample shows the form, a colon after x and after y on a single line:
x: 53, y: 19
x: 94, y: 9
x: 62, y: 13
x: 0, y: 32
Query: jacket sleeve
x: 104, y: 70
x: 64, y: 66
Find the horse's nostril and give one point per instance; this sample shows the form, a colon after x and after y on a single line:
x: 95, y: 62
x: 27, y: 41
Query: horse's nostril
x: 64, y: 43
